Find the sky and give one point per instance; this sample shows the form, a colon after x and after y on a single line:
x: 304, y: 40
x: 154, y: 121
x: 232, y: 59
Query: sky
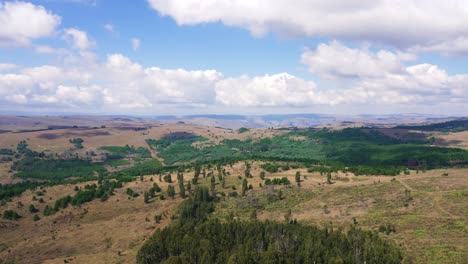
x: 182, y: 57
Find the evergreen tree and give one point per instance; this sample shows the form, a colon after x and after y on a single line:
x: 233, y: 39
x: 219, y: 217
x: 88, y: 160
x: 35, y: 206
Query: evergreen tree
x: 151, y: 192
x: 156, y: 187
x: 197, y: 170
x: 213, y: 184
x: 298, y: 179
x: 244, y: 186
x: 33, y: 209
x: 262, y: 175
x: 171, y: 191
x: 329, y: 177
x: 180, y: 179
x: 168, y: 178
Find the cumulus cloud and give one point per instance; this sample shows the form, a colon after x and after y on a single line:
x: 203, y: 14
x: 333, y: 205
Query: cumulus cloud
x: 135, y: 43
x: 336, y: 60
x: 22, y: 22
x: 280, y: 89
x: 7, y: 66
x: 436, y: 25
x: 131, y: 83
x: 450, y: 47
x: 382, y: 76
x: 118, y: 83
x: 78, y: 39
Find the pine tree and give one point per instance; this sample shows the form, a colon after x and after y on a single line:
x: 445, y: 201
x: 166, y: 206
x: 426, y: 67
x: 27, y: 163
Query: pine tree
x: 262, y: 175
x: 146, y: 197
x: 298, y: 179
x: 180, y: 179
x: 171, y: 191
x: 213, y: 184
x: 33, y: 209
x: 244, y: 186
x: 197, y: 169
x: 189, y: 186
x: 152, y: 193
x: 329, y: 176
x: 156, y: 187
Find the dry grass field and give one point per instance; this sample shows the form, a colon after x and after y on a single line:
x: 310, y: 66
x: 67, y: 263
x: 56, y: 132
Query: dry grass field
x: 430, y: 225
x: 428, y: 210
x: 54, y: 141
x: 454, y: 140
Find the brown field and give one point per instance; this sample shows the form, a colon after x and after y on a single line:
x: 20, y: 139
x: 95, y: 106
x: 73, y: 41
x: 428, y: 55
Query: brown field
x: 430, y: 221
x: 432, y: 227
x: 454, y: 140
x: 58, y: 140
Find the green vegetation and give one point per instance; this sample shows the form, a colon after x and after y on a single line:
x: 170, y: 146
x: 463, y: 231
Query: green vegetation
x: 120, y: 152
x: 277, y: 181
x: 55, y: 169
x: 132, y: 193
x: 153, y: 166
x: 7, y: 152
x: 77, y: 142
x: 23, y: 150
x: 273, y: 168
x: 212, y: 241
x: 117, y: 163
x: 90, y: 192
x: 242, y: 130
x: 11, y: 190
x: 11, y: 215
x: 449, y: 126
x: 363, y: 150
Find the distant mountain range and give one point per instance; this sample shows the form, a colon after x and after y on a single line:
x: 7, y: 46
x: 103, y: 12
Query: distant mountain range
x: 12, y: 122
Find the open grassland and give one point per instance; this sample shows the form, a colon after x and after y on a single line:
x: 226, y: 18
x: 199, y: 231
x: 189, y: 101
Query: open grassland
x: 58, y: 141
x: 454, y: 140
x: 427, y: 211
x: 104, y: 232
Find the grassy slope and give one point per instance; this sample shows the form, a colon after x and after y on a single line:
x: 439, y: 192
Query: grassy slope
x: 431, y: 229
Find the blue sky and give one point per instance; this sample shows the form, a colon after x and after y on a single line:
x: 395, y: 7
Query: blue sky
x: 243, y: 56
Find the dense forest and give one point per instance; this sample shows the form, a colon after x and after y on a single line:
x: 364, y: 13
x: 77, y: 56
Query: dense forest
x: 449, y: 126
x: 195, y: 238
x: 347, y: 147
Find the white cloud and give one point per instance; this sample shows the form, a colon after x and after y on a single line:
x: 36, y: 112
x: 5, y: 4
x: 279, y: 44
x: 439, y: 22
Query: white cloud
x: 382, y: 76
x: 22, y: 22
x: 401, y: 23
x: 116, y: 83
x: 135, y: 43
x: 449, y: 47
x: 78, y: 39
x: 336, y: 60
x: 120, y: 84
x: 7, y: 66
x: 131, y: 84
x: 280, y: 89
x: 109, y: 27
